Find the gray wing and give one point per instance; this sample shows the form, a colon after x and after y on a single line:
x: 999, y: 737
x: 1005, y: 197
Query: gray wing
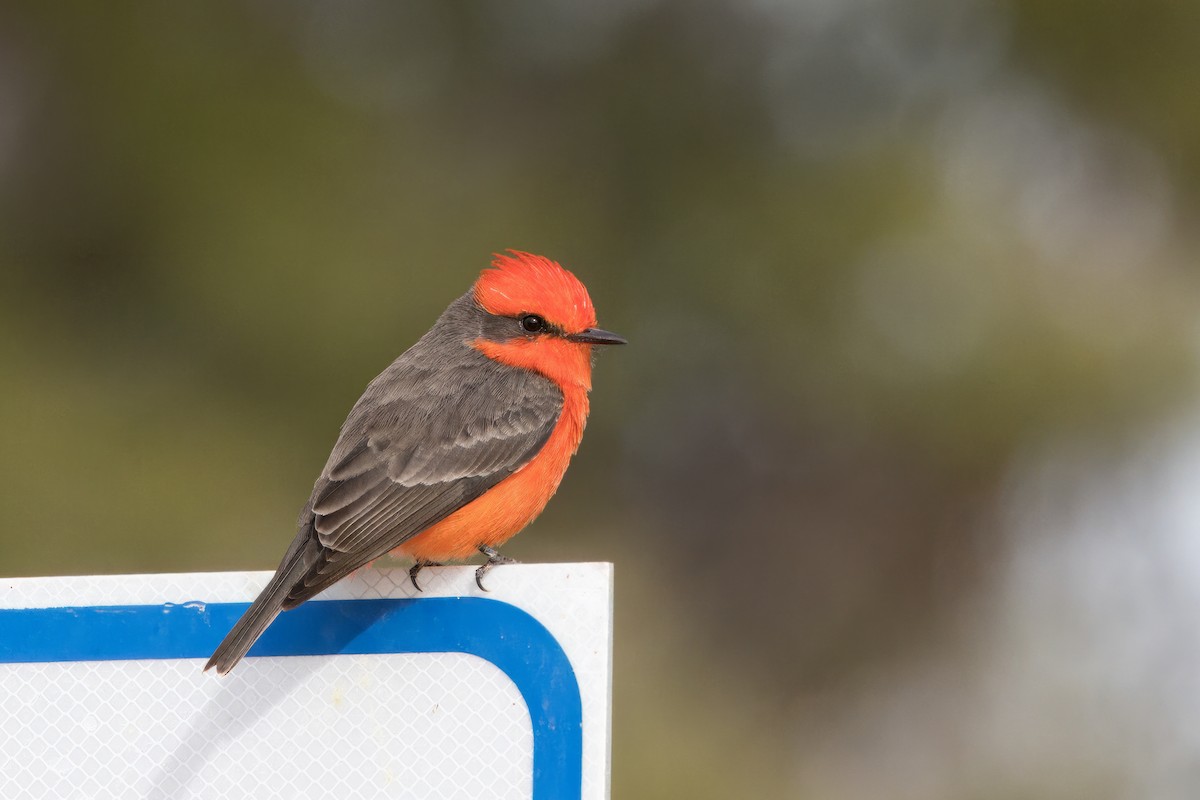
x: 419, y: 445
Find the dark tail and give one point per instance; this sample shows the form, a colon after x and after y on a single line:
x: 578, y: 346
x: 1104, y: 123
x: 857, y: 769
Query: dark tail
x: 266, y: 607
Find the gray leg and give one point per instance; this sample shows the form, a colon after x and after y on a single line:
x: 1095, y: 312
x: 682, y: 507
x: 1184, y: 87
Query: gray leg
x: 493, y: 558
x: 416, y: 568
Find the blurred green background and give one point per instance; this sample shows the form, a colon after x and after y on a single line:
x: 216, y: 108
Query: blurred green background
x: 899, y: 468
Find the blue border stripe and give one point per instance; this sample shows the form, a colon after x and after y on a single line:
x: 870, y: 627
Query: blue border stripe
x: 503, y: 634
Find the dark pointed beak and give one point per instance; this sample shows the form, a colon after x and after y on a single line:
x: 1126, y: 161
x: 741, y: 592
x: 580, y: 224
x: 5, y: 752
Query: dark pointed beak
x: 595, y: 336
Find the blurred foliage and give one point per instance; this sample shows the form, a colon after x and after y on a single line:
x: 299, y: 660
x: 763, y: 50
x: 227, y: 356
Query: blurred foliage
x: 1135, y: 64
x: 867, y: 255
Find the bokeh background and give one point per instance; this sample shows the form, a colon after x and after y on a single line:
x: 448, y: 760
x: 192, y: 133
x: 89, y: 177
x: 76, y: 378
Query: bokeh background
x: 900, y: 468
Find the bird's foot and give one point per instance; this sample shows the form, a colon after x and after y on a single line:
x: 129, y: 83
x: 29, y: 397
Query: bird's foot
x: 493, y: 558
x: 416, y: 568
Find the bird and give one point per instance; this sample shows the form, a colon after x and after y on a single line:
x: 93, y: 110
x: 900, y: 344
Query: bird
x: 452, y: 449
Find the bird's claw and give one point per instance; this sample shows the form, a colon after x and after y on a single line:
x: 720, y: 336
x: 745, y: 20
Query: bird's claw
x: 493, y: 558
x: 416, y: 568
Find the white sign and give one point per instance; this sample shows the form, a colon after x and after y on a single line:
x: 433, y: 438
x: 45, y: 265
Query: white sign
x: 371, y: 690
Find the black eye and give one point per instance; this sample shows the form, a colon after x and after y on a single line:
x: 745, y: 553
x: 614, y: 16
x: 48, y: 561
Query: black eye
x: 532, y: 323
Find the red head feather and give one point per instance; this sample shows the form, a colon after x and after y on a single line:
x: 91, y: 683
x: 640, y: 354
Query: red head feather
x: 523, y: 283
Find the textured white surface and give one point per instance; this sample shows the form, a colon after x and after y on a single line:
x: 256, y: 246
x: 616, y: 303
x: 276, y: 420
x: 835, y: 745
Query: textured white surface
x: 366, y: 726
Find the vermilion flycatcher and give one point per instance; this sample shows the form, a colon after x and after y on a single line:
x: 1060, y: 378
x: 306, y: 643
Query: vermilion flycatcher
x: 452, y: 449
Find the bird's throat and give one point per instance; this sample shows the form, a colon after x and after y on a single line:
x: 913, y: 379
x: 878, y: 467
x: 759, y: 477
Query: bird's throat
x: 568, y: 364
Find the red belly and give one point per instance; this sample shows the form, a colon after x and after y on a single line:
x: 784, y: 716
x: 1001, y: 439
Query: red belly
x: 510, y: 505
